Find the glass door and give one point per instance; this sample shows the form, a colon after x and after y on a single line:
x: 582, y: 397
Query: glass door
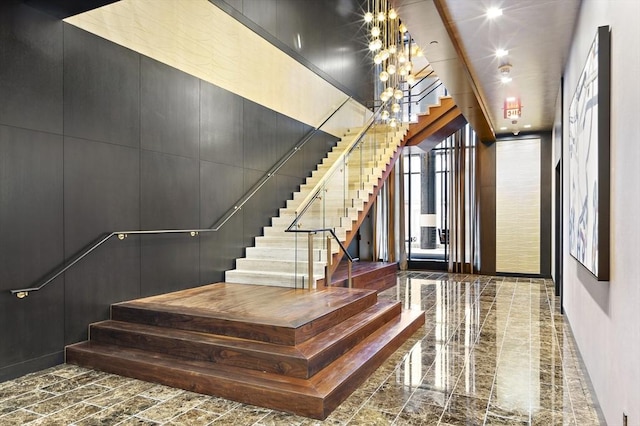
x: 426, y: 210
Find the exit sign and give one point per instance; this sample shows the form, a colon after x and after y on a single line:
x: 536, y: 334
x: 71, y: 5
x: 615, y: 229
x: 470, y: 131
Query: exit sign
x: 512, y: 108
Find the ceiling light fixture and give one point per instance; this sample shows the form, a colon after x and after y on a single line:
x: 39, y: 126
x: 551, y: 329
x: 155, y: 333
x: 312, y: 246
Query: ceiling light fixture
x: 494, y: 12
x: 392, y: 51
x: 501, y: 53
x: 527, y: 126
x: 505, y: 72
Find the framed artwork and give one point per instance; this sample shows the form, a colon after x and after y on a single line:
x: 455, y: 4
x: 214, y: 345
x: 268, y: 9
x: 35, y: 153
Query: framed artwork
x: 589, y: 134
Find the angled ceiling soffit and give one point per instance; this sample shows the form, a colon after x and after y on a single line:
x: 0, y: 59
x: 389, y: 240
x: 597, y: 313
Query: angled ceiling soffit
x: 431, y: 28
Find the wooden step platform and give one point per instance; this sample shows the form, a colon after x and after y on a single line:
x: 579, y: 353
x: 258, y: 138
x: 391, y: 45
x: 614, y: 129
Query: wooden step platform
x: 370, y: 275
x: 289, y: 349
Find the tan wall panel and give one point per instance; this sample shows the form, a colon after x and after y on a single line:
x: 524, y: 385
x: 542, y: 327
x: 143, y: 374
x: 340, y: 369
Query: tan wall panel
x: 518, y: 206
x: 198, y: 38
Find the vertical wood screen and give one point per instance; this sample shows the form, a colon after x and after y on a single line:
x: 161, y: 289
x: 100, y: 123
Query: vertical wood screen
x: 518, y: 206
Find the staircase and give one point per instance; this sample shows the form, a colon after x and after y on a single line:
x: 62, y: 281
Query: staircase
x: 280, y: 258
x: 288, y: 349
x: 293, y: 350
x: 438, y: 123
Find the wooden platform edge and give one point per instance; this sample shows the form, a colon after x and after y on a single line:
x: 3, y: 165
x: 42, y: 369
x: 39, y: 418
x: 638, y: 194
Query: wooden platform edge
x: 315, y: 398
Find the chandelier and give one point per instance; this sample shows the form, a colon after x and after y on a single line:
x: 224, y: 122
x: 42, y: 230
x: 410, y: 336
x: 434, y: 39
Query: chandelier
x: 390, y: 44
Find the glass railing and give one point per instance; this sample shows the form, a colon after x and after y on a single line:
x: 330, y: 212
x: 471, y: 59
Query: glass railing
x: 420, y: 96
x: 332, y: 202
x: 348, y: 114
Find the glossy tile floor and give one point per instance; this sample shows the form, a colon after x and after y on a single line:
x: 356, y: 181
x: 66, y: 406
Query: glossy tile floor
x: 493, y: 351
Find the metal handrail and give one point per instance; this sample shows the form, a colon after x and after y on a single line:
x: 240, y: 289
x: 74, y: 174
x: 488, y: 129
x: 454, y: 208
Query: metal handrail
x: 439, y: 84
x: 327, y: 276
x: 242, y: 201
x: 408, y: 90
x: 21, y: 293
x: 436, y: 81
x: 333, y: 233
x: 313, y: 194
x: 419, y: 81
x: 24, y: 292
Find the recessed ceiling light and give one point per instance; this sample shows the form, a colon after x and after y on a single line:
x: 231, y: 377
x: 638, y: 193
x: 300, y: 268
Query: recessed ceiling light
x: 527, y: 126
x: 494, y: 12
x: 505, y: 79
x: 501, y: 52
x: 503, y: 128
x: 511, y: 98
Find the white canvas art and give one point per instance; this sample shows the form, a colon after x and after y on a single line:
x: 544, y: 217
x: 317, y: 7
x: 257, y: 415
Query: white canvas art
x: 583, y: 165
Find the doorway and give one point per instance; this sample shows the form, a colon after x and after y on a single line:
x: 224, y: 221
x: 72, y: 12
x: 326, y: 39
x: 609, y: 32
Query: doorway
x: 558, y: 236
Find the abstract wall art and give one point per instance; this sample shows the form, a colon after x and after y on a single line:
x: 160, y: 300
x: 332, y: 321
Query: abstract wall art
x: 589, y: 134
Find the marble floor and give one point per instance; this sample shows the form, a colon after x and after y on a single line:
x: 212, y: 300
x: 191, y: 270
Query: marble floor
x: 493, y: 351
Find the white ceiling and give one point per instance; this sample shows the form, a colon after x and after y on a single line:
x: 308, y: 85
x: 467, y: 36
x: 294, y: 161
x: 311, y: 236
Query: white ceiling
x: 460, y: 42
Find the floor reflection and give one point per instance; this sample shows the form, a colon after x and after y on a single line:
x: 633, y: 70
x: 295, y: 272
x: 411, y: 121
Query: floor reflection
x: 493, y: 351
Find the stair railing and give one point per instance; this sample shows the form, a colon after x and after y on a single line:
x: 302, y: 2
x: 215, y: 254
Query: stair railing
x: 328, y: 270
x: 329, y: 209
x: 21, y: 293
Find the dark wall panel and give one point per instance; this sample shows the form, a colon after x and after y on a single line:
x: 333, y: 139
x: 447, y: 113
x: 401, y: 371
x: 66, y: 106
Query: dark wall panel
x: 297, y: 30
x: 170, y: 109
x: 289, y: 134
x: 31, y: 68
x: 31, y: 217
x: 260, y: 208
x: 260, y: 141
x: 32, y: 331
x: 108, y: 275
x: 101, y: 89
x: 102, y: 191
x: 221, y: 128
x: 487, y: 182
x: 169, y: 191
x: 31, y: 243
x: 236, y: 4
x: 102, y: 194
x: 221, y: 186
x: 262, y: 12
x: 316, y: 149
x: 219, y: 250
x: 327, y: 37
x: 285, y: 187
x: 168, y: 263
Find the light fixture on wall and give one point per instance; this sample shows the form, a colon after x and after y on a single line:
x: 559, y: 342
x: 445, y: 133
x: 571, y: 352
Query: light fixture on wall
x: 392, y: 50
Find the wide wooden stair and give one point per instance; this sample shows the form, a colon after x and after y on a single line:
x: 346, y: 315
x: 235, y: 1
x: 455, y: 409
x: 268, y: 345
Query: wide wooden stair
x: 377, y: 276
x: 294, y: 350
